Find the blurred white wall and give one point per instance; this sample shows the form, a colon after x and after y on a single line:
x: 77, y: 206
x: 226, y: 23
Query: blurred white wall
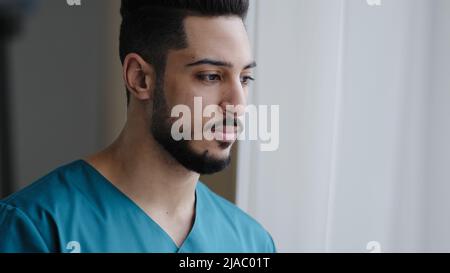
x: 364, y: 99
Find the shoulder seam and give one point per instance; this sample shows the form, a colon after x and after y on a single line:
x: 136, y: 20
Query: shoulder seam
x: 25, y: 216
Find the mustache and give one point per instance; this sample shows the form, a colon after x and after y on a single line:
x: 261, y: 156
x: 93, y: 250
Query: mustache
x: 227, y: 121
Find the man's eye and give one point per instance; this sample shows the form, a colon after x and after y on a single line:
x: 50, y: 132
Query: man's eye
x: 246, y: 80
x: 209, y: 77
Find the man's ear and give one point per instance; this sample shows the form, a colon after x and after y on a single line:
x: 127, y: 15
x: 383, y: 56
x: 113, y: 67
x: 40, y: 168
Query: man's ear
x: 139, y: 77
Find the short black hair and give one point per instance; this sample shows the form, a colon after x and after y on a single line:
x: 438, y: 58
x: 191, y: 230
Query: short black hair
x: 151, y: 28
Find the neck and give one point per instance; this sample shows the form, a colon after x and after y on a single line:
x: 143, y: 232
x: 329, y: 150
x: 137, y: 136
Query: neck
x: 140, y: 167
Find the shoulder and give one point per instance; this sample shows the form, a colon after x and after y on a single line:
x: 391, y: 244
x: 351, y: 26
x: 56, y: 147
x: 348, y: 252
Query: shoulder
x: 48, y: 190
x: 29, y: 217
x: 227, y: 213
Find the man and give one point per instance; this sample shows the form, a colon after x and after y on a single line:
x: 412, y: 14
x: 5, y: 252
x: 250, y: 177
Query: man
x: 142, y: 193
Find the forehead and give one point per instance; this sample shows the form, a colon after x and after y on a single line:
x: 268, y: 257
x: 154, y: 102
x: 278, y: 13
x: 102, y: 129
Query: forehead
x: 224, y: 38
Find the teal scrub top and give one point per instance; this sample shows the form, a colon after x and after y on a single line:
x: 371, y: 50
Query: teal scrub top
x: 75, y: 209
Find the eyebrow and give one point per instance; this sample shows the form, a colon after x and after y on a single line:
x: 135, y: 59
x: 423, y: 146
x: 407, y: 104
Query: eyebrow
x: 219, y: 63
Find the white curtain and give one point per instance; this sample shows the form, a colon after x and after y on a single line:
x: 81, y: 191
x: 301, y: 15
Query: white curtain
x: 364, y: 93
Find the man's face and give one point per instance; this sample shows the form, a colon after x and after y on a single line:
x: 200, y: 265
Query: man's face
x: 217, y: 67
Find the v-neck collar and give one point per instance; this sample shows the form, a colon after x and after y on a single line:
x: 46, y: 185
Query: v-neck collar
x: 139, y: 210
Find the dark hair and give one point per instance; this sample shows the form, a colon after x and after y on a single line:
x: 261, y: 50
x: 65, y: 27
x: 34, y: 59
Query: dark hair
x: 152, y: 27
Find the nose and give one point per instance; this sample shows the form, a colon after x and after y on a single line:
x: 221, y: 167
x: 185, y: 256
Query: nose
x: 234, y: 101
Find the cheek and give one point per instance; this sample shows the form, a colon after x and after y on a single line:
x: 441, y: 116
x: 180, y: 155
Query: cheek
x: 182, y: 90
x: 176, y: 95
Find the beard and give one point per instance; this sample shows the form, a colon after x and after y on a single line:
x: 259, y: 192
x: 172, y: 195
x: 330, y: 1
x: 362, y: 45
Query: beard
x: 181, y: 151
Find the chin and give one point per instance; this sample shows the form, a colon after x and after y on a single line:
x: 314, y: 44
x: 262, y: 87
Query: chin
x: 221, y: 153
x: 216, y: 149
